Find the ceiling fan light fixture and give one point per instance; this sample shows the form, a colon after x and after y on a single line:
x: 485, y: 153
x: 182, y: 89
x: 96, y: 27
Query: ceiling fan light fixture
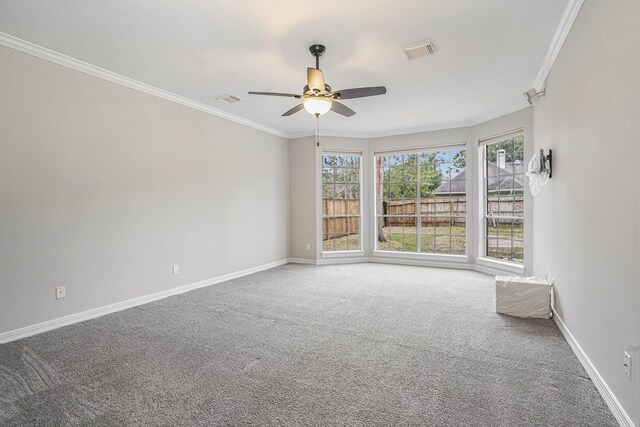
x: 317, y: 106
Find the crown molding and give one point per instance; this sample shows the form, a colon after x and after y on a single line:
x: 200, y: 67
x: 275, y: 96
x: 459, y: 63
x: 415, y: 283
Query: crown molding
x: 429, y: 128
x: 419, y: 129
x: 512, y: 109
x: 452, y: 125
x: 566, y: 22
x: 78, y: 65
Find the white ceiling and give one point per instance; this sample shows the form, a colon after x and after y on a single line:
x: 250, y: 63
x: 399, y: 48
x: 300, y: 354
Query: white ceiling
x: 488, y: 52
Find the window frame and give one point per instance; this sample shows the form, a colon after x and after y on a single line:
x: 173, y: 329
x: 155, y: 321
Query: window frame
x: 483, y: 257
x: 360, y: 216
x: 418, y: 215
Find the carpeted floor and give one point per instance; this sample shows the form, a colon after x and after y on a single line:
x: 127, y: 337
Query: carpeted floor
x: 363, y: 344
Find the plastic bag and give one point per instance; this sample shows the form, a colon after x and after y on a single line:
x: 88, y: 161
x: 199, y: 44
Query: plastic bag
x: 523, y: 297
x: 536, y: 178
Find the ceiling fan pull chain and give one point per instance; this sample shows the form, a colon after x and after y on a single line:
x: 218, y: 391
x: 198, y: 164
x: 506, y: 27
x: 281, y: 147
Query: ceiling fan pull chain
x: 317, y: 130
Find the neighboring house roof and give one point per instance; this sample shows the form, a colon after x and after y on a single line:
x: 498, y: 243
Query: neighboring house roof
x: 458, y: 184
x: 499, y: 179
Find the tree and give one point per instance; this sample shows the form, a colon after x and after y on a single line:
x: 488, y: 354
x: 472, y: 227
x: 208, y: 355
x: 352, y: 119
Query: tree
x: 460, y: 160
x: 430, y: 174
x: 512, y: 147
x: 398, y: 177
x: 379, y: 199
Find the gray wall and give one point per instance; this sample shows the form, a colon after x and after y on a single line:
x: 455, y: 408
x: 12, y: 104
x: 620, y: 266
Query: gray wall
x: 586, y: 220
x: 104, y: 188
x: 302, y: 192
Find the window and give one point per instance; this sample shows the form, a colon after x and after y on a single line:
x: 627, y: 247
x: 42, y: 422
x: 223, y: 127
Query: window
x: 503, y: 183
x: 341, y: 212
x: 421, y: 201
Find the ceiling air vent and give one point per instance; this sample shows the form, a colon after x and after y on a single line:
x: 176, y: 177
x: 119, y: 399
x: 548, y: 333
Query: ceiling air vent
x: 419, y: 50
x: 228, y: 98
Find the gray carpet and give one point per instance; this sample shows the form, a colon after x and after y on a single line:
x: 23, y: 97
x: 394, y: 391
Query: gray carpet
x: 363, y: 344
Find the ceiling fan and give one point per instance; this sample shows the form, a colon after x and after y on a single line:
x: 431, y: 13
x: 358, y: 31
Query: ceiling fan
x: 317, y: 97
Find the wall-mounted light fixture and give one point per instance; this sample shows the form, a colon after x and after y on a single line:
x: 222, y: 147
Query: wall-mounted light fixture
x: 539, y: 171
x: 546, y: 162
x: 533, y: 95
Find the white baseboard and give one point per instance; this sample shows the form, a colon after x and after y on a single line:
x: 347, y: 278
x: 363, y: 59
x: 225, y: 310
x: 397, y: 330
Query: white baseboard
x: 607, y: 395
x: 420, y: 263
x: 302, y: 261
x: 329, y: 261
x: 490, y: 270
x: 400, y: 261
x: 346, y: 260
x: 49, y: 325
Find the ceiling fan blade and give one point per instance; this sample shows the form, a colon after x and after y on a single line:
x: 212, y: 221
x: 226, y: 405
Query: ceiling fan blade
x: 289, y: 95
x: 315, y: 80
x: 293, y: 110
x: 360, y: 92
x: 341, y: 109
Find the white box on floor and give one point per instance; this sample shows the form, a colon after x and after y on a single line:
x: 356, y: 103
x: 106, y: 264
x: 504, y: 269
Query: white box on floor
x: 523, y: 297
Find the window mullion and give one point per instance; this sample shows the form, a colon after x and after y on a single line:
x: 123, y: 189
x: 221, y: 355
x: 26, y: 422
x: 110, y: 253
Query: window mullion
x: 418, y: 206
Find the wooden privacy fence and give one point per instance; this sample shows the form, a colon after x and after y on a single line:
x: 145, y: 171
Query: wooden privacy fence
x: 434, y: 211
x: 340, y: 226
x: 341, y: 217
x: 506, y: 205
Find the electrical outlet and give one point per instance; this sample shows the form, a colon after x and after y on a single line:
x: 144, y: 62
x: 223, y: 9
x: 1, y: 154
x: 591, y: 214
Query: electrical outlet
x: 61, y: 292
x: 176, y: 269
x: 308, y: 247
x: 627, y: 365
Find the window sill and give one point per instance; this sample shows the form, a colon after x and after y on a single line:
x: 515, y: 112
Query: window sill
x: 421, y: 256
x: 342, y: 254
x: 501, y: 265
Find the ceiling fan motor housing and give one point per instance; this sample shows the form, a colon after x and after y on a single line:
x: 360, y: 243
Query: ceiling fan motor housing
x: 317, y: 50
x: 308, y: 91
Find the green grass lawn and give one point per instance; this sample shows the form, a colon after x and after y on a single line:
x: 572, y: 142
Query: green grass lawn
x: 433, y: 239
x: 505, y: 230
x: 447, y: 240
x: 507, y: 255
x: 344, y: 243
x: 501, y: 239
